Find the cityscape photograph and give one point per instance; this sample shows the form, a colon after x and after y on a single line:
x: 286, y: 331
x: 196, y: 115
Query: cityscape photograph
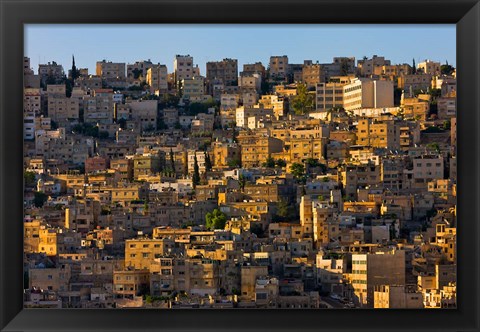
x: 240, y: 166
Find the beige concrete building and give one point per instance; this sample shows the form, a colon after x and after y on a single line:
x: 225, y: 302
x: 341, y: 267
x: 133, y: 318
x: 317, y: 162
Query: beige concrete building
x: 138, y: 70
x: 378, y: 134
x: 278, y: 67
x: 144, y: 112
x: 229, y: 101
x: 429, y: 67
x: 397, y: 297
x: 63, y: 110
x: 193, y: 87
x: 182, y: 67
x: 257, y: 148
x: 414, y: 82
x: 330, y: 95
x: 157, y: 79
x: 312, y: 75
x: 367, y: 66
x: 99, y: 107
x: 110, y: 70
x: 376, y: 269
x: 141, y: 254
x: 249, y: 276
x: 130, y: 283
x: 250, y: 82
x: 225, y: 70
x: 273, y: 102
x: 367, y: 93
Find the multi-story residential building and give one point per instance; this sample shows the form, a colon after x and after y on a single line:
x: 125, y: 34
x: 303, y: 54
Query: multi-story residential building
x: 144, y: 112
x: 130, y: 283
x: 229, y: 101
x: 243, y: 113
x: 146, y: 164
x: 50, y: 72
x: 256, y: 148
x: 157, y: 78
x: 412, y: 82
x: 225, y: 70
x: 98, y: 107
x: 416, y: 107
x: 95, y: 164
x: 200, y: 161
x: 32, y: 107
x: 182, y: 68
x: 64, y: 111
x: 278, y: 67
x: 330, y: 273
x: 141, y: 254
x: 226, y: 154
x: 308, y: 147
x: 446, y: 107
x: 427, y: 168
x: 330, y: 95
x: 379, y: 134
x: 193, y: 88
x: 376, y: 269
x: 366, y: 67
x: 367, y: 93
x: 138, y: 70
x: 397, y: 297
x: 323, y: 216
x: 124, y: 167
x: 429, y: 67
x: 254, y: 68
x: 110, y: 70
x: 359, y: 176
x: 250, y: 82
x: 274, y: 102
x: 312, y: 75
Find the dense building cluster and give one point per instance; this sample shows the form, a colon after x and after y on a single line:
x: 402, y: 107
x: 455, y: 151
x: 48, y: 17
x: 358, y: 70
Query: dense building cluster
x: 310, y: 185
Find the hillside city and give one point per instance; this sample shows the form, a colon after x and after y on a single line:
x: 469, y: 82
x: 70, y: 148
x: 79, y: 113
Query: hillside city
x: 276, y: 185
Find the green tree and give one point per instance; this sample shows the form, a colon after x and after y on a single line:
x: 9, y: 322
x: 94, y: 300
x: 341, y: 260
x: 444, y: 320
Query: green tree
x: 298, y: 172
x: 137, y: 73
x: 29, y: 178
x: 270, y: 163
x: 74, y: 73
x: 311, y: 162
x: 234, y: 163
x: 303, y: 102
x: 39, y: 198
x: 208, y: 162
x: 281, y: 163
x: 434, y: 146
x: 215, y: 220
x: 285, y: 211
x: 435, y: 93
x: 447, y: 124
x: 172, y: 161
x: 242, y: 181
x: 446, y: 69
x: 196, y: 172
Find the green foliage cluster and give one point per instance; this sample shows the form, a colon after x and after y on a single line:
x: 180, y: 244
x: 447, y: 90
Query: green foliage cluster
x: 303, y: 102
x: 298, y: 172
x: 271, y: 163
x: 39, y: 198
x: 29, y: 178
x: 215, y: 220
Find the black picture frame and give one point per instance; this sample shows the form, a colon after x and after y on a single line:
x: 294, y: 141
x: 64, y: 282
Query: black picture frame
x: 464, y: 13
